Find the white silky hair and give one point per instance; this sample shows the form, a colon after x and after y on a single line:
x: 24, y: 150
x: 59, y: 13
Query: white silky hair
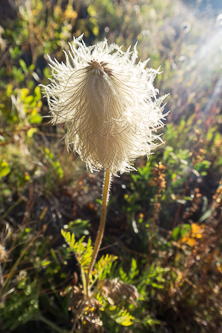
x: 108, y: 104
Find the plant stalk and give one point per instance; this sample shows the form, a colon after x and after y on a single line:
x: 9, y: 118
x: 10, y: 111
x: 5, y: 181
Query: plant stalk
x: 106, y: 187
x: 50, y: 324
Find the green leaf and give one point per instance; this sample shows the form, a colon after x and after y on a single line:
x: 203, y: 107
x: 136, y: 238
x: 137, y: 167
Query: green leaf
x: 15, y: 53
x: 79, y: 227
x: 37, y: 93
x: 207, y: 214
x: 4, y: 169
x: 54, y: 162
x: 91, y: 10
x: 31, y: 131
x: 134, y: 271
x: 156, y: 285
x: 23, y: 66
x: 45, y: 263
x: 83, y: 251
x: 35, y: 118
x: 28, y: 100
x: 99, y: 201
x: 181, y: 231
x: 23, y: 93
x: 103, y: 266
x: 121, y: 317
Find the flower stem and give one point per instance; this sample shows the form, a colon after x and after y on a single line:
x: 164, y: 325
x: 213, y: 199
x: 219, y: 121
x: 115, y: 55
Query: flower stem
x: 107, y: 180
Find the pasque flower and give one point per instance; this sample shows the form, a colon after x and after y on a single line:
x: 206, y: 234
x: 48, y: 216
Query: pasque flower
x: 108, y: 103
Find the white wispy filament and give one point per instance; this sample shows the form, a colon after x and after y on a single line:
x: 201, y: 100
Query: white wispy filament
x: 108, y: 104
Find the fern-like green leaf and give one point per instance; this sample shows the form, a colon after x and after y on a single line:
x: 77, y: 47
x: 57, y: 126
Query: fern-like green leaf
x: 83, y: 251
x: 133, y: 271
x: 121, y: 316
x: 21, y: 307
x: 103, y: 266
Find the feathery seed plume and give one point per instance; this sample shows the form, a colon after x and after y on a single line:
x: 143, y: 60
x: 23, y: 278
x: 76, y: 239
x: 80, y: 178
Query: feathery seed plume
x: 108, y: 104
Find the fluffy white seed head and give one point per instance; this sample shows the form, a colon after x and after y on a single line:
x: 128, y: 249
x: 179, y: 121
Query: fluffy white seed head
x: 108, y: 104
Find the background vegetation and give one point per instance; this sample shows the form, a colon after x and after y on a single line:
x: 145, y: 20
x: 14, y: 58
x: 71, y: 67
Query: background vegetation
x: 164, y: 221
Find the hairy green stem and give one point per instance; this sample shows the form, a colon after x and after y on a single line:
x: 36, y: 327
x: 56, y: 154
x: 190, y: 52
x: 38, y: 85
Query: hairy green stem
x: 107, y: 180
x: 84, y: 281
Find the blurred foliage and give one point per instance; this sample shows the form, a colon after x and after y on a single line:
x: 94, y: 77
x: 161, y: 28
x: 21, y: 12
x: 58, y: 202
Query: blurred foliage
x: 160, y: 267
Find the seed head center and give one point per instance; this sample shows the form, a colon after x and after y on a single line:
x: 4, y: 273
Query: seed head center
x: 99, y: 68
